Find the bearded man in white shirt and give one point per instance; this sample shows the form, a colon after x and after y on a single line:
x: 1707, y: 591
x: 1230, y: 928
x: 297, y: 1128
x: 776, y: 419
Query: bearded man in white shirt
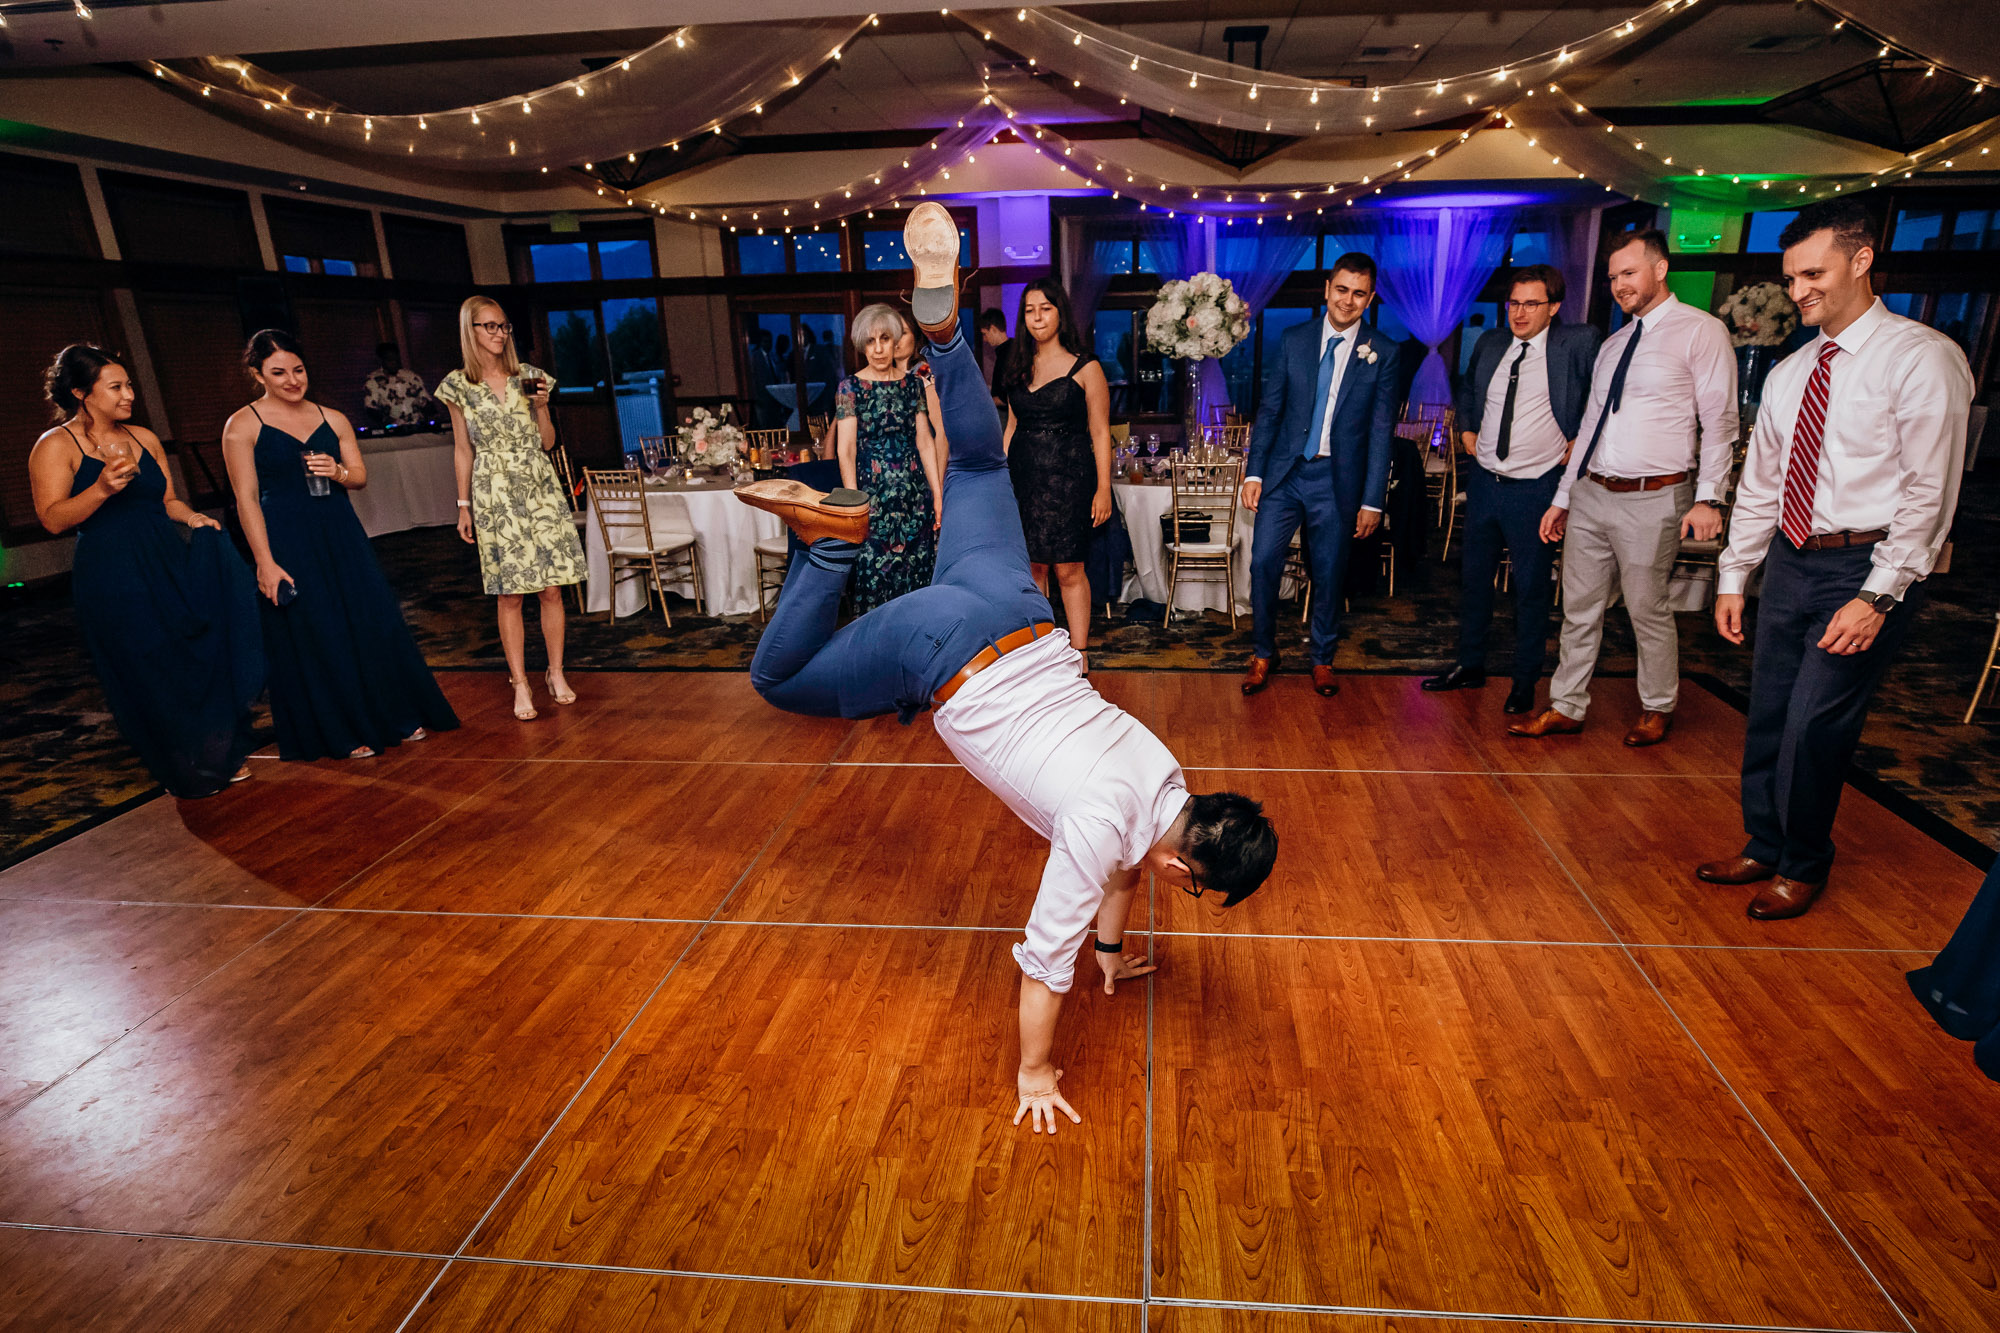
x: 1846, y: 497
x: 1659, y: 438
x: 979, y: 646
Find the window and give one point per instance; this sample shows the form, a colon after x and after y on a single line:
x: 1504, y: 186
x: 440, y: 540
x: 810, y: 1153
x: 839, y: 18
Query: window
x: 1309, y: 261
x: 1918, y: 229
x: 167, y: 222
x: 1909, y: 305
x: 421, y: 250
x: 624, y: 259
x: 760, y: 254
x: 884, y: 249
x: 565, y: 261
x: 1528, y: 247
x: 575, y: 359
x: 1960, y: 316
x: 1761, y: 231
x: 43, y: 210
x: 339, y: 241
x: 343, y: 268
x: 1484, y: 315
x: 297, y: 264
x: 1976, y: 229
x: 816, y: 252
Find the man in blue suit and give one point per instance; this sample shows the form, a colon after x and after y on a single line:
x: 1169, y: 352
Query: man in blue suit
x: 1319, y: 457
x: 1518, y: 413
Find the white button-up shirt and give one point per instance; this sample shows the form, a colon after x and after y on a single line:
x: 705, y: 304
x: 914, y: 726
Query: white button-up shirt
x: 1081, y: 772
x: 1536, y: 442
x: 1891, y: 454
x: 1349, y: 336
x: 1683, y: 374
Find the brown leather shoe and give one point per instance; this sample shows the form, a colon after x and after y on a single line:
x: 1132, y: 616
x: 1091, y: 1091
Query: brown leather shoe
x: 1650, y: 729
x: 930, y: 239
x: 1548, y: 722
x: 1324, y: 684
x: 841, y: 514
x: 1734, y: 870
x: 1259, y: 674
x: 1782, y: 899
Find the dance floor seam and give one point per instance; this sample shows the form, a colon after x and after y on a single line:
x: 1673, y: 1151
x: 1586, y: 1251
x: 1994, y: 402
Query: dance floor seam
x: 1057, y: 1298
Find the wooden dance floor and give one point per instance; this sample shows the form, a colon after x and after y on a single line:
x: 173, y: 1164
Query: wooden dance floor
x: 669, y: 1011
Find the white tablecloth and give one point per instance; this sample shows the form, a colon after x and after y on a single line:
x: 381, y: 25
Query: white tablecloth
x: 410, y: 484
x: 1143, y: 504
x: 726, y: 531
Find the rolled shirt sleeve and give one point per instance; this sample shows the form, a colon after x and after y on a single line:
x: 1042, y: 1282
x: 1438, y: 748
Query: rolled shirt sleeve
x: 1930, y: 410
x: 1083, y: 854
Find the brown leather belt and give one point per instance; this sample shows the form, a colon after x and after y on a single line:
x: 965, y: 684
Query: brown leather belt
x: 1622, y: 484
x: 986, y: 657
x: 1840, y: 541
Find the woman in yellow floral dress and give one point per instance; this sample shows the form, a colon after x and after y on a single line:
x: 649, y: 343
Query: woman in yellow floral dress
x: 509, y: 500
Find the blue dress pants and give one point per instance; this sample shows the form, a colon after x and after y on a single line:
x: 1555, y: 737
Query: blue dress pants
x: 1304, y: 498
x: 1807, y: 705
x: 893, y: 659
x: 1506, y: 512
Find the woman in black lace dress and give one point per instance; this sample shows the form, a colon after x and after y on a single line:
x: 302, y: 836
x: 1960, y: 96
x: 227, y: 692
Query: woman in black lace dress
x: 1058, y: 446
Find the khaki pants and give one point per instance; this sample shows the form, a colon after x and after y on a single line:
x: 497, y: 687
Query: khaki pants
x: 1627, y: 540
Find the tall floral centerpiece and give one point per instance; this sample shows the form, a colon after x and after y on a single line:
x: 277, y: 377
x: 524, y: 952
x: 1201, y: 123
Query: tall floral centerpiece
x: 1760, y: 317
x: 709, y: 441
x: 1193, y: 319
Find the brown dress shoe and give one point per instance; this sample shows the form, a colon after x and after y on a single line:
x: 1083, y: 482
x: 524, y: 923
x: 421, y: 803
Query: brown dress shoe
x: 1783, y: 899
x: 1650, y: 729
x: 1324, y: 684
x: 1548, y: 722
x: 1734, y: 870
x: 842, y: 514
x: 1259, y: 674
x: 930, y: 239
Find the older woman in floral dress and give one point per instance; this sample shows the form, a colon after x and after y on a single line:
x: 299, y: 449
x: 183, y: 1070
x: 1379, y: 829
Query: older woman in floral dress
x: 882, y: 436
x: 510, y: 503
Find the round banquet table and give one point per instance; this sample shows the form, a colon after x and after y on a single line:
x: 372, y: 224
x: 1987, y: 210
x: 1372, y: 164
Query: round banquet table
x: 1143, y: 504
x: 726, y: 532
x: 410, y: 483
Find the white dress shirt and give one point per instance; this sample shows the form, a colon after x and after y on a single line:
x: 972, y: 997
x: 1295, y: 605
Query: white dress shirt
x: 1683, y: 373
x: 1891, y: 453
x: 1536, y: 442
x: 1081, y: 772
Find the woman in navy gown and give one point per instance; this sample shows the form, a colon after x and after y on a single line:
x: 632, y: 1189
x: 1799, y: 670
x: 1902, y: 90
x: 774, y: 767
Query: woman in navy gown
x: 165, y: 605
x: 346, y: 677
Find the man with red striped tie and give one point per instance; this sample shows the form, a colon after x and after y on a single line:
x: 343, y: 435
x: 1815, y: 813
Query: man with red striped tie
x: 1845, y: 500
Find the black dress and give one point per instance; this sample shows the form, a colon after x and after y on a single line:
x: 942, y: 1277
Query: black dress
x: 1053, y: 467
x: 345, y: 671
x: 169, y: 616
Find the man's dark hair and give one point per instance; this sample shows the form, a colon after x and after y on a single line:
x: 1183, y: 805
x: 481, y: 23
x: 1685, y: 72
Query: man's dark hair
x: 992, y: 318
x: 1848, y: 220
x: 1354, y: 262
x: 1231, y: 844
x: 1652, y: 238
x: 1548, y: 275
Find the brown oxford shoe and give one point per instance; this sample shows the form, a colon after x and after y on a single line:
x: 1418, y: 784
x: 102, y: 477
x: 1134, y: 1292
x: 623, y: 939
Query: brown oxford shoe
x: 1734, y: 870
x: 1324, y: 684
x: 1548, y: 722
x: 1783, y: 899
x: 812, y: 514
x: 1259, y: 674
x: 1650, y: 729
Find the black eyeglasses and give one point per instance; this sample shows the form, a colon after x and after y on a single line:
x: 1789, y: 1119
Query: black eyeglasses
x: 491, y: 327
x: 1528, y: 307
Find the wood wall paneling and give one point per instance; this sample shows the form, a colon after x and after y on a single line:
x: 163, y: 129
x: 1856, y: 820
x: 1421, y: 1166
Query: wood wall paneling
x: 340, y: 339
x: 197, y: 347
x: 38, y: 324
x: 171, y: 222
x: 43, y: 209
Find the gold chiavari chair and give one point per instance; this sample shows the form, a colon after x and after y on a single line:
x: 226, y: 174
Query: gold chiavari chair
x: 1204, y: 490
x: 637, y: 547
x: 774, y: 562
x: 1235, y: 438
x: 1986, y: 672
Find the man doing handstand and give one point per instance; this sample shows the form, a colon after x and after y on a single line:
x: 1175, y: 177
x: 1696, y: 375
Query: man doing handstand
x: 980, y: 647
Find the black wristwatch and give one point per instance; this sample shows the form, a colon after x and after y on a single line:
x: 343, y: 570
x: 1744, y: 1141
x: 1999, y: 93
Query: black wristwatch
x: 1883, y: 602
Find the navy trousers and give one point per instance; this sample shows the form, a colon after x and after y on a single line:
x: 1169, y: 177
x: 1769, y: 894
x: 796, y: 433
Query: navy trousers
x: 1304, y: 498
x: 1807, y: 705
x: 1506, y: 513
x: 893, y: 659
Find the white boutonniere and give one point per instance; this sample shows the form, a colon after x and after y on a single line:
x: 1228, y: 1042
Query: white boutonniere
x: 1366, y: 352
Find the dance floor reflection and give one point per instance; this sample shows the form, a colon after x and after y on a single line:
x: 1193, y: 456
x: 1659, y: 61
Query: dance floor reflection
x: 672, y: 1011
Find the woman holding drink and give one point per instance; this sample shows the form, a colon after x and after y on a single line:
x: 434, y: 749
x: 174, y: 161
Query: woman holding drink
x: 509, y: 501
x: 165, y: 605
x: 346, y: 677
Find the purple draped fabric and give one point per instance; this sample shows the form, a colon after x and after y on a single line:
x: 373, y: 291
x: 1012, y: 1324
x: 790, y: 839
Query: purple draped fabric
x: 1433, y: 263
x: 1256, y: 260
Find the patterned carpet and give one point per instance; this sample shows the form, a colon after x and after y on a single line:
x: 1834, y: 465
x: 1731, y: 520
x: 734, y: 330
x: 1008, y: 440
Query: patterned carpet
x: 64, y: 766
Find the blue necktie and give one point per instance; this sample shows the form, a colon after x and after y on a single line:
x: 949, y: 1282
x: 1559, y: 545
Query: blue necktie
x: 1323, y: 401
x: 1614, y: 396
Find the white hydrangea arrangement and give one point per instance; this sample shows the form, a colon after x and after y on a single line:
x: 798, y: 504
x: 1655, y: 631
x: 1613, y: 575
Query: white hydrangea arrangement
x: 1760, y: 315
x: 1197, y: 317
x: 709, y: 441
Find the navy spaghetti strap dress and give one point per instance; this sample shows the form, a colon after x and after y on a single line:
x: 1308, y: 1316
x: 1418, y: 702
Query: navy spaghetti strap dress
x: 168, y: 614
x: 345, y: 670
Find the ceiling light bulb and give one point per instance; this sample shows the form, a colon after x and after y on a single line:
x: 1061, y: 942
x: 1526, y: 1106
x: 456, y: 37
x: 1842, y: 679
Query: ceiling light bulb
x: 1314, y: 99
x: 1440, y: 87
x: 82, y: 10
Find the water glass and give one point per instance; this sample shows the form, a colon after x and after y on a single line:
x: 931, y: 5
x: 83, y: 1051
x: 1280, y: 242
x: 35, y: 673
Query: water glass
x: 315, y: 484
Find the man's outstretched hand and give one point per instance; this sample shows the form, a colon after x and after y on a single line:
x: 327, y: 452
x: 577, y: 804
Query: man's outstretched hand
x: 1118, y: 967
x: 1039, y: 1097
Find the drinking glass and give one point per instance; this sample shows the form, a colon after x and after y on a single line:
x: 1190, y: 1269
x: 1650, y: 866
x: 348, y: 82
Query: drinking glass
x: 315, y: 484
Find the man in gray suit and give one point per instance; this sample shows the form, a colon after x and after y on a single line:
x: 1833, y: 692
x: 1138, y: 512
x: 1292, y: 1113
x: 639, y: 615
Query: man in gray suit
x: 1518, y: 414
